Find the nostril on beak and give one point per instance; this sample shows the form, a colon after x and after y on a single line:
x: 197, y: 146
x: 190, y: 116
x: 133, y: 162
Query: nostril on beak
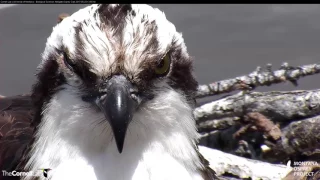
x: 133, y: 90
x: 134, y: 93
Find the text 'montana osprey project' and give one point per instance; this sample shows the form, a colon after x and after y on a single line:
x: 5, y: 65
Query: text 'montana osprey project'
x: 113, y: 101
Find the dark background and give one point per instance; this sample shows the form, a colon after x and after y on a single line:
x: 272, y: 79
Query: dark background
x: 226, y: 40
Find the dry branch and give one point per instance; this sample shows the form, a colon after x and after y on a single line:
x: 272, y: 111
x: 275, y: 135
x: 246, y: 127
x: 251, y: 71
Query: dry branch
x: 279, y: 106
x: 260, y: 122
x: 217, y: 124
x: 259, y: 78
x: 224, y: 163
x: 300, y: 138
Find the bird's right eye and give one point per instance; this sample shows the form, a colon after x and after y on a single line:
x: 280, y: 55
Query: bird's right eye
x: 67, y: 61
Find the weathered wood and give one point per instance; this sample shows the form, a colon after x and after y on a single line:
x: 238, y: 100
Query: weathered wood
x: 299, y: 140
x: 223, y: 163
x: 259, y: 78
x: 217, y: 124
x: 274, y: 105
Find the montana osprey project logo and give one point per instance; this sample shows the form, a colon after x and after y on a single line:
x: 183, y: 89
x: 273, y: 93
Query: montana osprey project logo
x: 45, y: 172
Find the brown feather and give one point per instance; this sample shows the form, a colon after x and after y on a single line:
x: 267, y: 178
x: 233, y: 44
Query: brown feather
x: 15, y: 132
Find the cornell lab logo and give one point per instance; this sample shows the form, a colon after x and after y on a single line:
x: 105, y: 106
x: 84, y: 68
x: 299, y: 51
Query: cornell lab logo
x: 29, y: 173
x: 45, y: 172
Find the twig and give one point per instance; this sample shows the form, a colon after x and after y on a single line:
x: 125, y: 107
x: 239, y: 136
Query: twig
x: 259, y: 78
x: 265, y: 125
x: 242, y: 130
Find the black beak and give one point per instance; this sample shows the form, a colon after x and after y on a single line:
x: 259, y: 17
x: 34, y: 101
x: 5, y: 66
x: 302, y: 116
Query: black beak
x: 118, y: 107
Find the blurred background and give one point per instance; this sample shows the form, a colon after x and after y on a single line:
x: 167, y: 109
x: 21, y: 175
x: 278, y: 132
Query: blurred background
x: 226, y: 40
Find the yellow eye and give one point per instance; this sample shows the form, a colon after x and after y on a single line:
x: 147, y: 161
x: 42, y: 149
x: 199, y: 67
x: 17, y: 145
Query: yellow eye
x: 164, y: 66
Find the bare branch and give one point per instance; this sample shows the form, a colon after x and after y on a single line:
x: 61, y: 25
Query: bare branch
x: 259, y: 78
x: 223, y: 163
x: 217, y: 124
x: 273, y: 104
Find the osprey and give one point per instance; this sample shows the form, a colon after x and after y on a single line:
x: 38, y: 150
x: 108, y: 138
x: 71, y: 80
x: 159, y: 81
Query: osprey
x: 113, y: 100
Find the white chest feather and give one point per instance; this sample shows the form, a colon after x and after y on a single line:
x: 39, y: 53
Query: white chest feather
x: 77, y: 143
x: 153, y: 166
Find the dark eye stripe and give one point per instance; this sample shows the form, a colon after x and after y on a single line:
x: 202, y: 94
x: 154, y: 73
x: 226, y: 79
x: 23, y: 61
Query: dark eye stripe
x: 81, y: 68
x: 68, y: 62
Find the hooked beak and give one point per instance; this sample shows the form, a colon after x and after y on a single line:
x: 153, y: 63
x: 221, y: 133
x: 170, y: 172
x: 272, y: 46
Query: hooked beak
x: 118, y: 107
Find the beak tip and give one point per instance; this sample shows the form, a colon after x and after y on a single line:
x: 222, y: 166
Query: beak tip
x: 120, y: 148
x: 120, y: 151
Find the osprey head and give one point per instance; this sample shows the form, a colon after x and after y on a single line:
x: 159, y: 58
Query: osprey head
x: 104, y: 64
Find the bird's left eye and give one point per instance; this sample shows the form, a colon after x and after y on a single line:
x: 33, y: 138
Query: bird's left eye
x: 164, y: 66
